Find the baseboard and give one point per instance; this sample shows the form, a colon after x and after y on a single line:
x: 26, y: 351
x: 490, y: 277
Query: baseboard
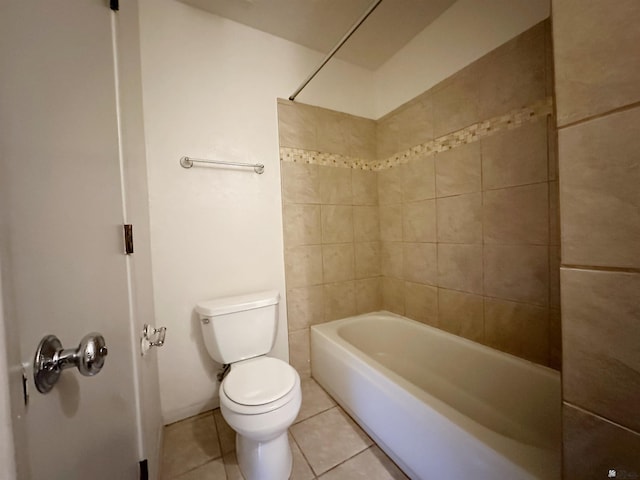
x: 177, y: 414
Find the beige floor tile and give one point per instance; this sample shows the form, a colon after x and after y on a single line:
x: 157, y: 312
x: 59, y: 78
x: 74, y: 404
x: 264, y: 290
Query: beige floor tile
x: 213, y: 470
x: 231, y: 467
x: 301, y: 469
x: 226, y: 435
x: 189, y: 444
x: 314, y: 400
x: 372, y: 464
x: 328, y: 439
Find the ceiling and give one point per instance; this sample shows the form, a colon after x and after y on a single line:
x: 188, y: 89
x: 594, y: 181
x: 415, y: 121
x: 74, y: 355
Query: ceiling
x: 320, y: 24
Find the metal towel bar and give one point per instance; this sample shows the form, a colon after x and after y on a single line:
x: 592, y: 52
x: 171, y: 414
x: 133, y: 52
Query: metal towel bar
x: 187, y: 162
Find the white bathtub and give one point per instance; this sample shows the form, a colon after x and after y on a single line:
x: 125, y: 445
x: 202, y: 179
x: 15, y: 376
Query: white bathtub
x: 442, y: 407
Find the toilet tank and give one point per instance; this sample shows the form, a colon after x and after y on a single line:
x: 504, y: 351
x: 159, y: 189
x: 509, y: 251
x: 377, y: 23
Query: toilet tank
x: 240, y: 327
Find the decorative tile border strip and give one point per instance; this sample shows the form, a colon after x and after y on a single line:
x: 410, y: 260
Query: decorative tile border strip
x: 473, y: 133
x: 299, y: 155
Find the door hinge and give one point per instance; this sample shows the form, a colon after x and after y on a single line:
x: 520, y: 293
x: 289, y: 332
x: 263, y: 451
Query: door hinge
x: 114, y: 5
x: 144, y: 469
x: 128, y: 239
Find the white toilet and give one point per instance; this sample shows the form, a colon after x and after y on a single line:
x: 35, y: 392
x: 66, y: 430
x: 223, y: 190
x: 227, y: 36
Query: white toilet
x: 260, y: 396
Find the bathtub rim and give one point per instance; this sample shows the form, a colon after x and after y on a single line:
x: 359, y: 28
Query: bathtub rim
x: 333, y: 325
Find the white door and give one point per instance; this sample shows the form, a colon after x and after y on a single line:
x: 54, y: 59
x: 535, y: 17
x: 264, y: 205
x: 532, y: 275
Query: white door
x: 68, y: 275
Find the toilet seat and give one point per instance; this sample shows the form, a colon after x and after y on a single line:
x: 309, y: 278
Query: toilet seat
x: 259, y: 385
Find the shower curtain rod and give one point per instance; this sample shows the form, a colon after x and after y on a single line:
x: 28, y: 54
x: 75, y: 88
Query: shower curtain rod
x: 333, y: 51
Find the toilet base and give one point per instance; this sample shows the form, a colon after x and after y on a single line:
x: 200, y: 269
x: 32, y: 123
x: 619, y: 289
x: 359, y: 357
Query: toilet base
x: 270, y: 460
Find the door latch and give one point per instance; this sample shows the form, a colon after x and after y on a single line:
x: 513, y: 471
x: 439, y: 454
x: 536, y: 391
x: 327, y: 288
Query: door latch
x: 152, y: 337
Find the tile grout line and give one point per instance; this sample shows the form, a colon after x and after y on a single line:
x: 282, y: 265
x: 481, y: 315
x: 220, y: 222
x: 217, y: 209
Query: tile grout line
x: 303, y: 454
x: 351, y: 458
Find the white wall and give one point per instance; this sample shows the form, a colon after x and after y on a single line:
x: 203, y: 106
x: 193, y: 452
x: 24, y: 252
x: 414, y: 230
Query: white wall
x: 465, y: 32
x: 210, y: 87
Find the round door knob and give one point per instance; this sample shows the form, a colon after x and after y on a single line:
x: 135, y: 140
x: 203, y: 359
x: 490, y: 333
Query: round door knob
x: 91, y: 354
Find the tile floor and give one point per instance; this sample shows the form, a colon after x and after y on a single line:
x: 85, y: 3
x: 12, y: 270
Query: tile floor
x: 326, y: 445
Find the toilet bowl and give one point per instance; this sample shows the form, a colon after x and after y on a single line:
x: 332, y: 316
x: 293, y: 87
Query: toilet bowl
x: 260, y: 396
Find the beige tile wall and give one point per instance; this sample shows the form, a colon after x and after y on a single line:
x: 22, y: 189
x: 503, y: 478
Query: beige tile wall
x: 469, y: 236
x: 331, y: 224
x: 598, y: 85
x: 463, y: 239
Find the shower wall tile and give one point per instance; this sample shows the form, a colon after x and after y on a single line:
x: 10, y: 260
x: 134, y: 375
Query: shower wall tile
x: 555, y: 339
x: 460, y: 267
x: 332, y: 130
x: 455, y: 103
x: 601, y: 312
x: 525, y: 44
x: 517, y: 272
x: 554, y: 276
x: 517, y: 215
x: 421, y: 303
x: 598, y: 90
x: 368, y: 295
x: 361, y: 139
x: 303, y: 266
x: 418, y: 180
x: 596, y: 70
x: 552, y: 147
x: 593, y: 446
x: 393, y: 295
x: 515, y: 157
x: 367, y: 257
x: 409, y: 125
x: 554, y: 213
x: 391, y: 223
x: 420, y: 263
x: 339, y: 300
x: 522, y: 61
x: 337, y: 223
x: 548, y: 53
x: 300, y: 183
x: 338, y: 262
x: 391, y: 259
x: 517, y: 328
x: 335, y: 186
x: 461, y: 313
x: 305, y: 307
x: 460, y: 218
x: 599, y: 194
x: 299, y: 353
x: 364, y: 187
x: 319, y: 129
x: 366, y: 223
x: 419, y: 221
x: 390, y: 186
x: 459, y: 170
x: 296, y: 126
x: 301, y: 225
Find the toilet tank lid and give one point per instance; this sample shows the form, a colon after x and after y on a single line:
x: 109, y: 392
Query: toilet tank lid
x: 238, y: 303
